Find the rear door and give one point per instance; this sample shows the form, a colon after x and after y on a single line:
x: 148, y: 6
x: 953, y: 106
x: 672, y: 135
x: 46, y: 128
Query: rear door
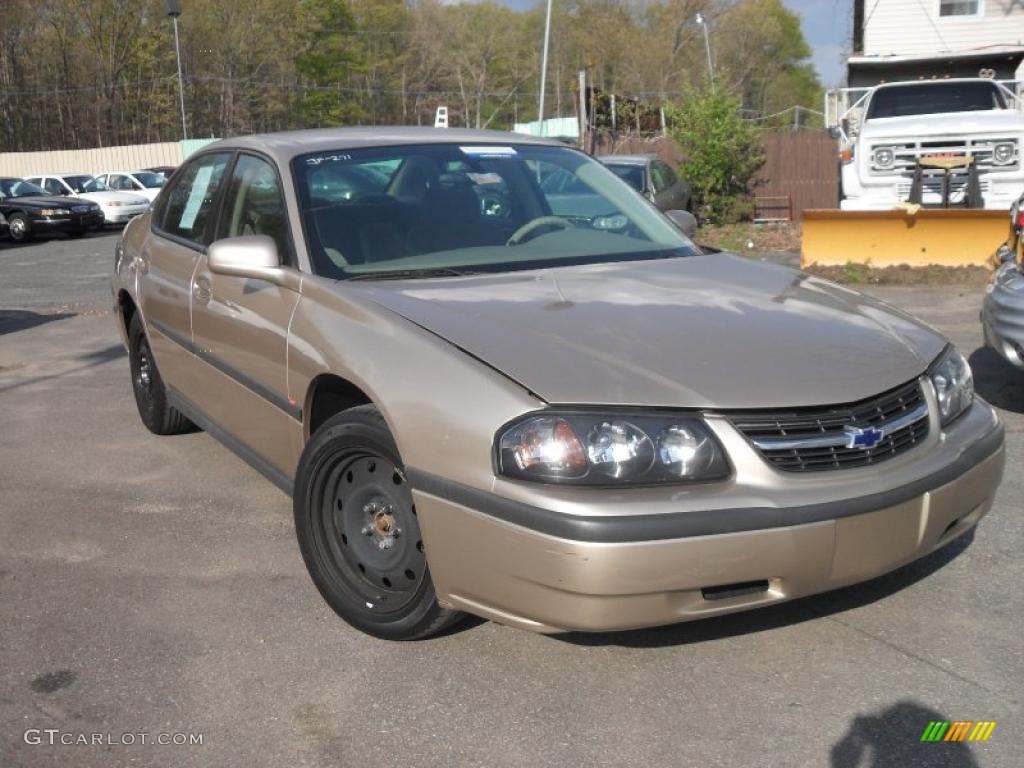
x: 182, y: 224
x: 240, y: 324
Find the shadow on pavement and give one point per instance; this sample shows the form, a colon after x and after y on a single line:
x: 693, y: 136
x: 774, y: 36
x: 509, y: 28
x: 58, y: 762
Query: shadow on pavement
x: 13, y: 320
x: 997, y: 381
x: 782, y: 615
x: 91, y: 359
x: 892, y: 739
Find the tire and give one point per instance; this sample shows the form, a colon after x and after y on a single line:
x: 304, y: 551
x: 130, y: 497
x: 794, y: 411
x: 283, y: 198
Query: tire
x: 150, y: 392
x: 19, y: 228
x: 358, y: 533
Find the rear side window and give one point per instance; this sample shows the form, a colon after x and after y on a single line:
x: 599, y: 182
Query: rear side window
x: 188, y: 207
x: 661, y: 176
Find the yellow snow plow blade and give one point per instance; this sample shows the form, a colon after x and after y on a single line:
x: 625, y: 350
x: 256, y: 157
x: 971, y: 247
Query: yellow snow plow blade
x: 915, y: 236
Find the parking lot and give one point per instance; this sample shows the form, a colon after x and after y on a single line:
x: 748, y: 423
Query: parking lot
x: 153, y: 585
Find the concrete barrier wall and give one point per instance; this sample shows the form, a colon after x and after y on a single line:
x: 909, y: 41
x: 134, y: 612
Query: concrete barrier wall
x: 98, y: 160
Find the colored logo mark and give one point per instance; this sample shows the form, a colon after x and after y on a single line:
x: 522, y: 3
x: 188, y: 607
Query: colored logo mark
x: 958, y: 730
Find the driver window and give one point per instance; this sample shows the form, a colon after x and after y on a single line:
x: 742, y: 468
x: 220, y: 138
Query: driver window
x: 54, y: 187
x: 254, y: 204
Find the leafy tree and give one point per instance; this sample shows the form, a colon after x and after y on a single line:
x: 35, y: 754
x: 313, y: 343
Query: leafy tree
x: 721, y: 151
x: 324, y: 60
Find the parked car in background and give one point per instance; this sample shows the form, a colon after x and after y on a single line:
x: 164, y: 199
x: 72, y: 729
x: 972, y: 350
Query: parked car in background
x: 145, y: 183
x: 654, y: 179
x: 117, y: 207
x: 558, y: 421
x: 31, y: 211
x: 162, y: 170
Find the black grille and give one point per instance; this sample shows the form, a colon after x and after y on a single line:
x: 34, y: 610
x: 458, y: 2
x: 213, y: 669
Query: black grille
x: 799, y: 423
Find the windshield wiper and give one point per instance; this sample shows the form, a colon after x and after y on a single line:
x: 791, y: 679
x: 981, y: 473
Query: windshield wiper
x: 398, y: 274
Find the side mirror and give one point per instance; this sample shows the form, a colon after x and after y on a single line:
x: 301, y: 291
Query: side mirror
x: 685, y: 220
x: 246, y: 256
x: 834, y: 132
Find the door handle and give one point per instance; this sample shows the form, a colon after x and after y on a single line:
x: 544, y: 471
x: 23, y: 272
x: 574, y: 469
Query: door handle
x: 201, y: 288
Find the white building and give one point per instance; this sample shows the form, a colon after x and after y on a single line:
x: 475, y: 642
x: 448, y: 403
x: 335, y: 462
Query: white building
x: 910, y: 39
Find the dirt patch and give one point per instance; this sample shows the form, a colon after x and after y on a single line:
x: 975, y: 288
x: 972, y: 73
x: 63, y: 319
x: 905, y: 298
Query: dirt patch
x: 903, y: 274
x: 746, y: 237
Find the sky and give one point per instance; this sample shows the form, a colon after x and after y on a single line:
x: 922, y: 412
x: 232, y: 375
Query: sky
x: 827, y: 25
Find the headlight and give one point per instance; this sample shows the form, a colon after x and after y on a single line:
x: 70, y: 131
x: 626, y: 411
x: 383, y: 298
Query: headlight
x: 593, y: 448
x: 117, y: 204
x: 954, y: 384
x: 54, y: 212
x: 1003, y: 153
x: 884, y: 157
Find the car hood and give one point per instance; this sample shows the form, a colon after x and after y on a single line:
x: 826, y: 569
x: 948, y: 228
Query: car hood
x: 128, y: 198
x: 712, y: 331
x: 42, y: 201
x: 1007, y: 123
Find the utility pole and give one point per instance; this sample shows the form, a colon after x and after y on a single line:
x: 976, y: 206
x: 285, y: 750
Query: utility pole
x: 544, y: 68
x: 703, y: 22
x: 174, y: 11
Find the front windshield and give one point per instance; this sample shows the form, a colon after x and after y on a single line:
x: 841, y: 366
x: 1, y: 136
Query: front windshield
x: 935, y: 98
x: 631, y: 174
x: 20, y: 188
x: 79, y: 183
x: 449, y: 208
x: 94, y: 185
x: 150, y: 180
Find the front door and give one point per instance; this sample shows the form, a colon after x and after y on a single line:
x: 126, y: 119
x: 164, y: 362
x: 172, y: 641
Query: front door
x: 240, y: 325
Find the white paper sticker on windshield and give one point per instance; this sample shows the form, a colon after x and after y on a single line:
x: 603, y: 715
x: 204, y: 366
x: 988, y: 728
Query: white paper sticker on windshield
x: 489, y: 151
x: 196, y: 197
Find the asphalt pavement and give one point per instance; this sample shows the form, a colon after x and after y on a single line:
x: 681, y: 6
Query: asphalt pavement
x: 153, y: 586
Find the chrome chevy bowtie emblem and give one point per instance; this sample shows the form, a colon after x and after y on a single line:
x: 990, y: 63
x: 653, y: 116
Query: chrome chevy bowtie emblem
x: 867, y: 437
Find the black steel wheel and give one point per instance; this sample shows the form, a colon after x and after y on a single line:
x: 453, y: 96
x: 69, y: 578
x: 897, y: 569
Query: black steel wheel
x: 358, y: 530
x: 159, y: 417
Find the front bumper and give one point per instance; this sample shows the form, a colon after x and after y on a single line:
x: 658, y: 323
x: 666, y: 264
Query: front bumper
x: 122, y: 215
x: 1002, y: 314
x: 999, y: 189
x: 74, y: 223
x: 548, y: 571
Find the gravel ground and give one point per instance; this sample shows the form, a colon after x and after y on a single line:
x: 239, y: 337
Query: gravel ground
x: 153, y: 585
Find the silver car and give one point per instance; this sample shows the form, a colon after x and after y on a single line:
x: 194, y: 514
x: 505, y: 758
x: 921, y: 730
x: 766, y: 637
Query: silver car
x: 556, y: 421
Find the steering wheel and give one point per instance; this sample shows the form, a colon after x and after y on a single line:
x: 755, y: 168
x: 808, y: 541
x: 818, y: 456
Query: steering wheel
x: 523, y: 234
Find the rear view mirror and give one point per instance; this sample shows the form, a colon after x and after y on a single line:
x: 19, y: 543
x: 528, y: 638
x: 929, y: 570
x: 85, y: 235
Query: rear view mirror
x: 685, y: 220
x: 246, y: 256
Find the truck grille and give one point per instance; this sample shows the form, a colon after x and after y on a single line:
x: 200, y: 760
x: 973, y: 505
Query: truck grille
x: 822, y: 438
x: 931, y: 188
x: 907, y: 154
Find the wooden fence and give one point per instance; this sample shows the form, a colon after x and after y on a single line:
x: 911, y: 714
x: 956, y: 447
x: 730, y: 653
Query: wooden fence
x: 800, y: 166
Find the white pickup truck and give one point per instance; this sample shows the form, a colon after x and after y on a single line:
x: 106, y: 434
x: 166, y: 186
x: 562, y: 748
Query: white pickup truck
x: 959, y: 139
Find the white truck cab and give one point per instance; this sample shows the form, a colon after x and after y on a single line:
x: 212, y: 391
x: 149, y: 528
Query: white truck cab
x: 961, y: 138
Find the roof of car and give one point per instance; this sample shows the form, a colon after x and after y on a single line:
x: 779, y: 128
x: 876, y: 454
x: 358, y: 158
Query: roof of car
x: 627, y: 159
x: 285, y: 145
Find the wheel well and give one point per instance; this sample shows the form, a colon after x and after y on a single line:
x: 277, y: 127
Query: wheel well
x: 328, y: 395
x: 126, y: 307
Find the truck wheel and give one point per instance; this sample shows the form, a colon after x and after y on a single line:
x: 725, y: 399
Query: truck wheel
x: 358, y: 532
x: 150, y: 393
x: 20, y: 228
